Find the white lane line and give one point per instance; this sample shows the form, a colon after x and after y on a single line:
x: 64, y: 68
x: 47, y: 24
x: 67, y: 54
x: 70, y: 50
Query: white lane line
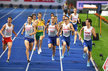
x: 44, y: 14
x: 61, y: 64
x: 33, y: 50
x: 7, y: 13
x: 19, y: 14
x: 14, y: 37
x: 2, y: 9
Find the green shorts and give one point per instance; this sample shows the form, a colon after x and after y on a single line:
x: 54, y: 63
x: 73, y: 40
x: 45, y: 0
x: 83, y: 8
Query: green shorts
x: 38, y: 34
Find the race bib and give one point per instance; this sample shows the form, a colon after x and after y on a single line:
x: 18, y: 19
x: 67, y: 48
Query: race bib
x: 40, y: 28
x: 87, y: 36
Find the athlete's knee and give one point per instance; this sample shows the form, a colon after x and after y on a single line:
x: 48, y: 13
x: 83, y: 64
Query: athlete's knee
x: 64, y: 43
x: 41, y: 37
x: 9, y: 48
x: 57, y: 43
x: 30, y: 49
x: 49, y: 45
x: 75, y: 32
x: 85, y: 49
x: 89, y: 53
x: 68, y: 47
x: 27, y: 48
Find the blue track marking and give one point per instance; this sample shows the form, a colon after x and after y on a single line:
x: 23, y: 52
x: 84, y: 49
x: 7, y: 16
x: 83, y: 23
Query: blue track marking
x: 72, y: 62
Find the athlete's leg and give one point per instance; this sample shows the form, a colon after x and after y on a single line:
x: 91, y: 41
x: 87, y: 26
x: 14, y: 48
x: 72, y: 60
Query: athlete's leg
x: 4, y: 46
x: 50, y: 45
x: 41, y: 38
x: 35, y: 43
x: 57, y: 41
x: 89, y: 55
x: 75, y: 37
x: 54, y: 50
x: 64, y: 45
x: 9, y: 49
x: 68, y: 48
x: 31, y: 46
x: 27, y: 48
x: 85, y: 49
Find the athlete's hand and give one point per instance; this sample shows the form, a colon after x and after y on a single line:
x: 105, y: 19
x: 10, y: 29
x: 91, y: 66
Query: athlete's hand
x: 43, y: 35
x: 75, y: 21
x: 3, y: 36
x: 21, y: 33
x: 16, y: 35
x: 48, y: 20
x: 79, y: 38
x: 72, y: 21
x: 72, y: 33
x: 69, y: 28
x: 57, y: 34
x: 30, y: 34
x: 47, y: 24
x: 60, y: 33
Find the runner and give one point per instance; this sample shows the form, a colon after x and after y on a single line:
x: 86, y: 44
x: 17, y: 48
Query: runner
x: 29, y: 38
x: 52, y: 36
x: 65, y: 8
x: 88, y: 31
x: 74, y: 17
x: 67, y: 27
x: 33, y: 18
x: 6, y: 33
x: 40, y: 32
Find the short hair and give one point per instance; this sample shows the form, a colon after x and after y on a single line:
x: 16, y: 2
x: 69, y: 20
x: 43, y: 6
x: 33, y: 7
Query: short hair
x: 67, y: 17
x: 89, y: 20
x: 40, y: 13
x: 33, y: 15
x: 52, y: 13
x: 10, y: 17
x: 30, y: 16
x: 75, y: 8
x: 55, y: 16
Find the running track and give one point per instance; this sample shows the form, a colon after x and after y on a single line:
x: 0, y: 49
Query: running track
x: 42, y: 62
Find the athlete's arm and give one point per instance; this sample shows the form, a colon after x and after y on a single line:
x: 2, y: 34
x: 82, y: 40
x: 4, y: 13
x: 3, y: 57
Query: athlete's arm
x: 23, y: 29
x: 70, y: 19
x: 2, y: 29
x: 61, y: 29
x: 48, y: 21
x: 14, y: 31
x: 44, y: 31
x: 78, y: 19
x: 47, y: 25
x: 57, y: 29
x: 93, y: 32
x: 81, y: 33
x: 71, y: 28
x: 44, y: 22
